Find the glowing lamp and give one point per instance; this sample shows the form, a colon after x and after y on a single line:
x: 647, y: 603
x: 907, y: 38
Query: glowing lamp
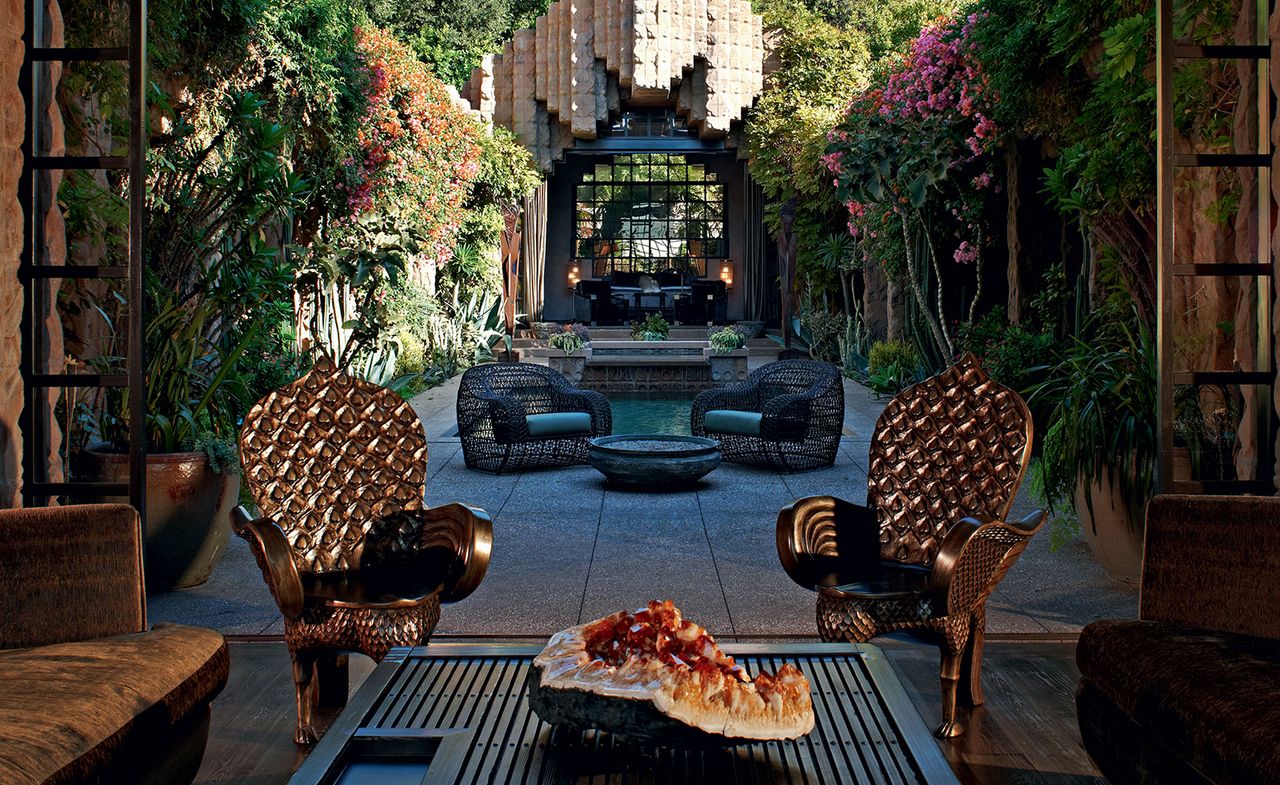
x: 726, y: 274
x: 575, y: 274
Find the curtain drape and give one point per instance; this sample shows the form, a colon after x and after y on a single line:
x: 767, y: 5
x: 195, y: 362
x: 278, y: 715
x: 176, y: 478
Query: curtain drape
x: 533, y: 249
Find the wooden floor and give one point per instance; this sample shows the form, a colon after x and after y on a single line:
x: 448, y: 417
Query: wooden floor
x: 1025, y: 734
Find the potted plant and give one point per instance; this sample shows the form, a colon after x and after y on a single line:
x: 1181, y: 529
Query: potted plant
x: 211, y: 276
x: 569, y: 352
x: 653, y: 328
x: 726, y: 356
x: 1099, y: 452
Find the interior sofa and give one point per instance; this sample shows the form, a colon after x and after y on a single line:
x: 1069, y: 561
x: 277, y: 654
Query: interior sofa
x: 89, y: 694
x: 1190, y: 691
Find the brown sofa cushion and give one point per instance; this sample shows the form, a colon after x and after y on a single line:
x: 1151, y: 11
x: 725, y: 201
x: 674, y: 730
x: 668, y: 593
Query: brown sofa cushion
x: 66, y: 709
x: 1210, y: 696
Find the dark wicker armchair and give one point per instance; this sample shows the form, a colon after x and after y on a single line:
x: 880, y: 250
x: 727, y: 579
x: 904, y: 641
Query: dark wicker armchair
x: 932, y: 542
x: 353, y: 558
x: 514, y: 416
x: 787, y: 415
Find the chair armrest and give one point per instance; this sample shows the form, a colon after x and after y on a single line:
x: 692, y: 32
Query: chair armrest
x: 825, y: 541
x: 70, y: 573
x: 571, y: 399
x: 507, y: 416
x: 1210, y: 562
x: 458, y: 540
x: 275, y: 559
x: 738, y: 397
x: 786, y: 416
x: 975, y: 555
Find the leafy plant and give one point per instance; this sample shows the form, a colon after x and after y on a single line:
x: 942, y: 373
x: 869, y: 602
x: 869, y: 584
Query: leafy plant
x: 1101, y: 399
x: 567, y: 340
x: 726, y: 340
x: 653, y: 328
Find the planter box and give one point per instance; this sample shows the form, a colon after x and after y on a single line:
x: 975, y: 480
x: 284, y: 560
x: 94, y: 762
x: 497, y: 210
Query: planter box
x: 570, y: 366
x: 727, y: 368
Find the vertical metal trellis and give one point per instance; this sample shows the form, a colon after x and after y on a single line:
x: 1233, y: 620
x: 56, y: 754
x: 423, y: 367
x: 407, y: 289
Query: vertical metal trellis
x: 1257, y: 369
x: 37, y: 275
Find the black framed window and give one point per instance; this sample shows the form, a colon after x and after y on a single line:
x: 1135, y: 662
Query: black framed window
x: 648, y: 213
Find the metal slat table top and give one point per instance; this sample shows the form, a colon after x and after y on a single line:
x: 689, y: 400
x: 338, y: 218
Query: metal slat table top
x: 463, y: 708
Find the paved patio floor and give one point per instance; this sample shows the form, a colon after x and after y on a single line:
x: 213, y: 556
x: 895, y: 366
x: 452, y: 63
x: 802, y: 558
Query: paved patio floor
x: 568, y: 550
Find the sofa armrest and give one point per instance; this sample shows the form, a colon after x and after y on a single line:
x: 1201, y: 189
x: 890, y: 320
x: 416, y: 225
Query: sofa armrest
x: 70, y: 573
x: 1210, y: 562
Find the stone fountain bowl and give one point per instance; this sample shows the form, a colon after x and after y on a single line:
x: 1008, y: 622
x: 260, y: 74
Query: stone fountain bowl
x: 654, y: 460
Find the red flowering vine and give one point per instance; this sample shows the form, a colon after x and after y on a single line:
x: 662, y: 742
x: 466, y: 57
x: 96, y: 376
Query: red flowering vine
x: 417, y: 153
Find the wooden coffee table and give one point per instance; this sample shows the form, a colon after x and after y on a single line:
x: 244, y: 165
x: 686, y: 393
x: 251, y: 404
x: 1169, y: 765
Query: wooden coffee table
x: 457, y: 713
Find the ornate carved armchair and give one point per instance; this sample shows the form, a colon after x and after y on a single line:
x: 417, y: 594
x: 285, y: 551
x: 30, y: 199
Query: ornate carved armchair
x: 514, y: 416
x: 355, y: 561
x: 786, y: 415
x: 932, y: 543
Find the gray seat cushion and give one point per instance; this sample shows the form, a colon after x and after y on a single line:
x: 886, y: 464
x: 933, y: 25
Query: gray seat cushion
x: 735, y: 422
x: 559, y: 424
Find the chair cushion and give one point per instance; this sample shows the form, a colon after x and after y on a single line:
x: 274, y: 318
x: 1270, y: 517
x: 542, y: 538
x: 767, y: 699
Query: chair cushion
x: 559, y: 424
x: 66, y: 709
x: 1211, y: 696
x: 735, y: 422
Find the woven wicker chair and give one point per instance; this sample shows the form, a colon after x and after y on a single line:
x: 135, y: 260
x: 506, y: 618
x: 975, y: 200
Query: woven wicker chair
x: 499, y: 405
x: 931, y: 544
x: 786, y: 415
x: 353, y: 558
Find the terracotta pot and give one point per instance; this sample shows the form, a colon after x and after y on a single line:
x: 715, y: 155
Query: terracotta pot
x: 188, y: 512
x: 1112, y: 532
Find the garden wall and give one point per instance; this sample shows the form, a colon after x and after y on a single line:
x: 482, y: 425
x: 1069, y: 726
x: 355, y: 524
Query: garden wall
x: 12, y: 120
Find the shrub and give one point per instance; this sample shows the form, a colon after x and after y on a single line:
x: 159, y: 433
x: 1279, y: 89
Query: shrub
x: 1012, y: 355
x: 887, y: 353
x: 568, y: 340
x: 726, y: 340
x: 653, y: 328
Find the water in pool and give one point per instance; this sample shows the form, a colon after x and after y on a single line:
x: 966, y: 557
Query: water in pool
x: 651, y: 412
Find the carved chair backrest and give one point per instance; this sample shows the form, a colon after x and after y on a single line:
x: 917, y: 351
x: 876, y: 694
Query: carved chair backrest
x: 956, y: 444
x: 329, y: 455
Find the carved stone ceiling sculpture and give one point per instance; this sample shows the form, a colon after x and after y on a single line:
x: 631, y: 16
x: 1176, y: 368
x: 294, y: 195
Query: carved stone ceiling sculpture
x: 584, y: 58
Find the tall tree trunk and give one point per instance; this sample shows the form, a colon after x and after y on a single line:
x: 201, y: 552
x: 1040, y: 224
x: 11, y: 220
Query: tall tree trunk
x: 1013, y: 241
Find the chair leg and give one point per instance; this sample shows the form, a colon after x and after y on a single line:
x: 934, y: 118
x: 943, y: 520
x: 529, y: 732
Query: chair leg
x: 971, y: 671
x: 304, y: 683
x: 332, y: 682
x: 955, y: 641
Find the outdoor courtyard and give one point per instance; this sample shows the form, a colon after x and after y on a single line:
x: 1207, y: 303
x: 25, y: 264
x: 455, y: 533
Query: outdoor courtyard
x: 567, y: 549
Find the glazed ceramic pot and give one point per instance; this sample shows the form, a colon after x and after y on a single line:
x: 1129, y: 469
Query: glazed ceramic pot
x: 188, y: 521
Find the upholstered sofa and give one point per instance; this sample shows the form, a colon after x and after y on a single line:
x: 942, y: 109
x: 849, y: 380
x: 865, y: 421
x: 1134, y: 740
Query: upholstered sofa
x: 89, y: 694
x: 1190, y: 691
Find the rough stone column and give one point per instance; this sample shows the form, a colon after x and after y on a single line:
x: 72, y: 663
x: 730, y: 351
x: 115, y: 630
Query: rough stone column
x: 583, y: 59
x: 718, y: 70
x: 524, y: 105
x: 12, y: 122
x: 626, y: 41
x: 485, y: 88
x: 644, y: 56
x: 564, y: 53
x: 540, y: 58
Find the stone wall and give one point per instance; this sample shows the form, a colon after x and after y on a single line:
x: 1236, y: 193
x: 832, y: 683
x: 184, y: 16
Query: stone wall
x: 12, y: 120
x: 561, y: 80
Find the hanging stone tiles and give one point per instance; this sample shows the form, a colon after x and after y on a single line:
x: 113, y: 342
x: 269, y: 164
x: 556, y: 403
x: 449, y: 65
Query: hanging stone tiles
x: 561, y: 80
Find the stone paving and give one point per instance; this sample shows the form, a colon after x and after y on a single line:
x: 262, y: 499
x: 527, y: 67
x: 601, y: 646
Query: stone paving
x: 567, y: 550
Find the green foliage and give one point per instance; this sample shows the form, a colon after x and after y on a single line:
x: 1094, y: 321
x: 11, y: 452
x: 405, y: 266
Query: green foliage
x: 886, y: 353
x: 884, y: 26
x: 1009, y: 353
x: 1101, y: 398
x: 653, y: 328
x: 726, y: 340
x: 453, y: 36
x: 567, y: 340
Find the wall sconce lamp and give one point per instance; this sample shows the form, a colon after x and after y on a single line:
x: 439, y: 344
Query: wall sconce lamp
x: 575, y: 274
x: 726, y: 274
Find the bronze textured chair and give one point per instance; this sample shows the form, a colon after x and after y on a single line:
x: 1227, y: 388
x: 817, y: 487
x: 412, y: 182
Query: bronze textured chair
x: 786, y: 415
x: 354, y: 559
x: 931, y: 544
x: 514, y: 416
x: 1187, y: 692
x: 89, y: 693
